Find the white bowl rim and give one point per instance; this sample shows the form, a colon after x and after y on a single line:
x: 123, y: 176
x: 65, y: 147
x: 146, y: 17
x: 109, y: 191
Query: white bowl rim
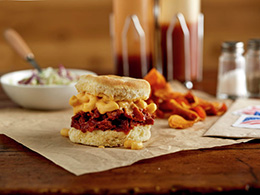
x: 3, y: 79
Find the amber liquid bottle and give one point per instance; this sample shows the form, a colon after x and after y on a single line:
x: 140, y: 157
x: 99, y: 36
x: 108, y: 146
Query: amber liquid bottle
x: 133, y: 37
x: 184, y: 65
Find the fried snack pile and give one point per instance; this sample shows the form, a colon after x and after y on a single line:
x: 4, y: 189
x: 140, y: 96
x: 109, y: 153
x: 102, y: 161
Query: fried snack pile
x: 182, y: 110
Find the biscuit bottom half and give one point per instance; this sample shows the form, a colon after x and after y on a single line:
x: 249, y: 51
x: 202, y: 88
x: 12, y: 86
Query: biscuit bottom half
x: 110, y: 138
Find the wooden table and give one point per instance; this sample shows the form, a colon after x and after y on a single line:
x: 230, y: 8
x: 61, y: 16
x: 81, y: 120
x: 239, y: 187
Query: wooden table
x: 228, y: 169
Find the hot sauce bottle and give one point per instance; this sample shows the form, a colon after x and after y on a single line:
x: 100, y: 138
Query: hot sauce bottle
x: 133, y: 37
x: 181, y: 61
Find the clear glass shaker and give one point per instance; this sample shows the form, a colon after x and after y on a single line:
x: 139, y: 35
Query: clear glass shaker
x: 231, y: 73
x: 253, y: 67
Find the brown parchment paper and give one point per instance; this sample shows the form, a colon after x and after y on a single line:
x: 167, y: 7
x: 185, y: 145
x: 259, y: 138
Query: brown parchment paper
x: 40, y: 131
x: 223, y: 127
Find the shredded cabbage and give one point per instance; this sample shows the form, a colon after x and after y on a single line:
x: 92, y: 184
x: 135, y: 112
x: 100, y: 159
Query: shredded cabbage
x: 51, y: 76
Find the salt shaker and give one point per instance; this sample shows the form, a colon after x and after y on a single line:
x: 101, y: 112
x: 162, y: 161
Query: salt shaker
x: 231, y: 72
x: 253, y: 67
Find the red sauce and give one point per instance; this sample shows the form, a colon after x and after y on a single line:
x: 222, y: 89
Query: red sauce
x: 117, y: 120
x: 134, y: 65
x: 178, y: 51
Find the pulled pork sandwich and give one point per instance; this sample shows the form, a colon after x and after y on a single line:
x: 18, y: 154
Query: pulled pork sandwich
x: 110, y: 111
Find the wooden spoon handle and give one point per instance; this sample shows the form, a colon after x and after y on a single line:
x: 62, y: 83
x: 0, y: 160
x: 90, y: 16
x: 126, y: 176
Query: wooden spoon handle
x: 17, y: 42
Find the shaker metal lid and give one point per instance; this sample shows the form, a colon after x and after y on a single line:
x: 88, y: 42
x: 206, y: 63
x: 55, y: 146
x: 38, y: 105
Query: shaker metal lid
x: 253, y: 44
x: 233, y: 46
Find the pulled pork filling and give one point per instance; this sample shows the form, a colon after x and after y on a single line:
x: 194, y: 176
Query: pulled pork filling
x: 117, y: 120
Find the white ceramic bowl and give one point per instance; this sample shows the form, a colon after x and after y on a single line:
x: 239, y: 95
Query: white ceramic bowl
x: 53, y: 97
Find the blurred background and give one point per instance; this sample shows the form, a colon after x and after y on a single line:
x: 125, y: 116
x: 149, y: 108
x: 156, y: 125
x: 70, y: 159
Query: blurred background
x: 76, y: 33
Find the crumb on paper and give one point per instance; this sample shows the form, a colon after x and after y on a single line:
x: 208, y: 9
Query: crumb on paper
x: 64, y: 132
x: 134, y: 145
x: 101, y: 146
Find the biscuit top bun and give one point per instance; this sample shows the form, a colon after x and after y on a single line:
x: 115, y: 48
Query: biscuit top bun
x: 114, y: 87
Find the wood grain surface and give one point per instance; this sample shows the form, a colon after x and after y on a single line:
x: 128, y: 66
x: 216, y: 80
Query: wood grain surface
x: 226, y: 169
x: 233, y: 169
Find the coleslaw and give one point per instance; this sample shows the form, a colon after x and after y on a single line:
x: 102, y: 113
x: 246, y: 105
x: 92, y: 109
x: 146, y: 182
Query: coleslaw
x: 50, y: 76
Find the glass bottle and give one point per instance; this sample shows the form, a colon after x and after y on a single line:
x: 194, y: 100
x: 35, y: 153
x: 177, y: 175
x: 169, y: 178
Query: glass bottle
x: 231, y: 72
x: 253, y: 68
x: 133, y: 36
x: 181, y: 26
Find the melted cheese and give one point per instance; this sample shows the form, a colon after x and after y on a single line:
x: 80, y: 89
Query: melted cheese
x: 86, y: 102
x: 106, y: 106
